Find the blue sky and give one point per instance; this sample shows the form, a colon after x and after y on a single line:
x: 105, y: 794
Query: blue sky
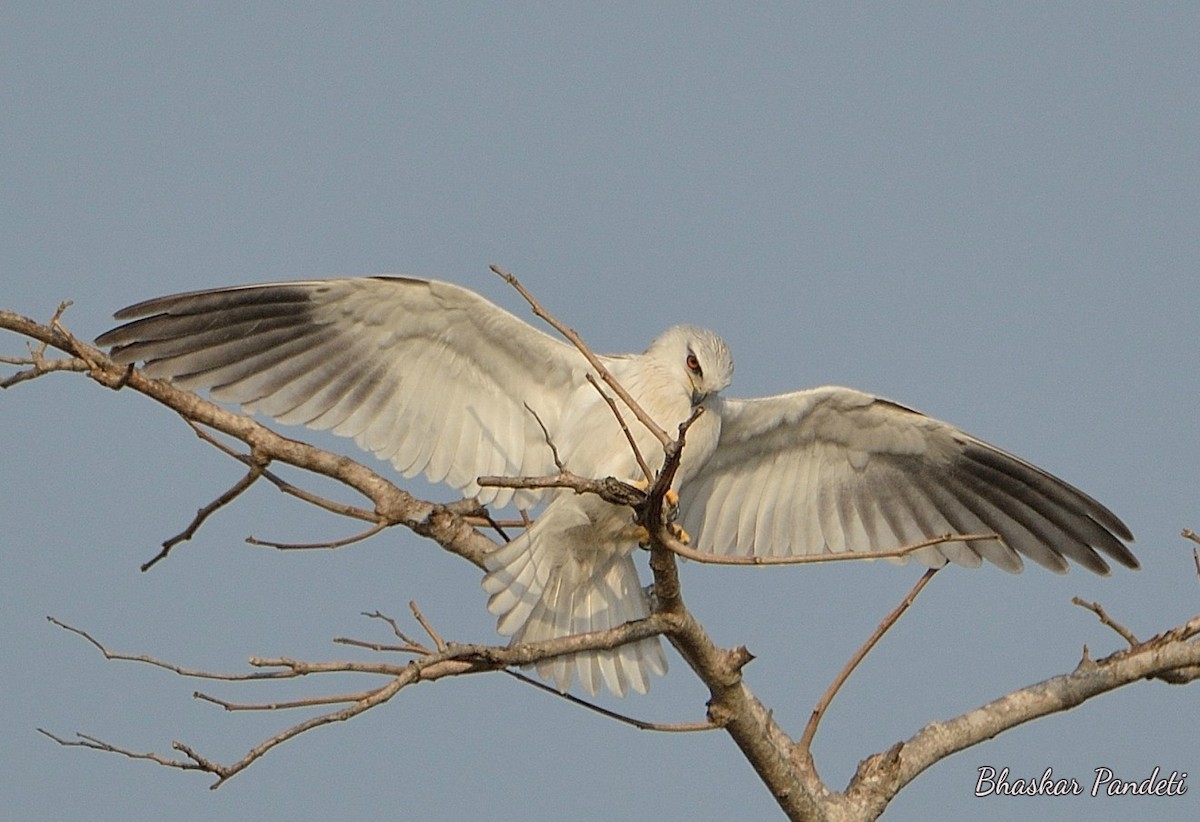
x: 988, y: 213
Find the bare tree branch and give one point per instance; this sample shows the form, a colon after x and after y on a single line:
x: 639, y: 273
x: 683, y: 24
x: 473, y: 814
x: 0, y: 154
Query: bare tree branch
x: 450, y: 659
x: 879, y: 778
x: 784, y: 765
x: 442, y: 523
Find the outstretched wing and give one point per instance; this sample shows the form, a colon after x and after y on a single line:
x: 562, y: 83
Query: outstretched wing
x: 831, y: 470
x: 428, y: 375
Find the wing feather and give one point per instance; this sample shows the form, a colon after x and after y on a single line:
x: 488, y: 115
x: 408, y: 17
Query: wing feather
x: 427, y: 374
x: 833, y: 469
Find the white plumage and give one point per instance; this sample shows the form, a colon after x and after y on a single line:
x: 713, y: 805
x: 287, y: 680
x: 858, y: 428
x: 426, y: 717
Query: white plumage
x: 439, y: 381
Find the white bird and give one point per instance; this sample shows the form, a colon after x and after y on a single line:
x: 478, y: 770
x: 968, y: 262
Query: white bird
x: 439, y: 381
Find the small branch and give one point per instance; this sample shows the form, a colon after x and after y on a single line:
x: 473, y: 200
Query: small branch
x: 399, y: 634
x: 85, y: 741
x: 1097, y: 609
x: 168, y: 666
x: 881, y: 777
x: 311, y: 546
x: 374, y: 698
x: 1188, y: 533
x: 299, y: 493
x: 37, y: 361
x: 380, y: 647
x: 682, y: 550
x: 609, y: 489
x: 438, y: 642
x: 497, y: 525
x: 39, y: 367
x: 204, y: 513
x: 546, y: 436
x: 640, y: 724
x: 588, y: 354
x: 451, y: 659
x: 333, y: 699
x: 612, y: 405
x: 810, y: 730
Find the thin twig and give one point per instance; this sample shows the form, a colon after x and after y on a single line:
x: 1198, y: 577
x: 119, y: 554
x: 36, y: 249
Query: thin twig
x: 1188, y: 533
x: 40, y: 366
x: 609, y: 489
x: 676, y: 547
x: 331, y: 699
x: 438, y: 642
x: 546, y: 436
x: 204, y: 513
x: 286, y: 487
x: 588, y: 354
x: 822, y: 705
x: 612, y: 405
x: 451, y: 660
x: 640, y: 724
x: 1097, y: 609
x: 396, y: 631
x: 311, y: 546
x: 374, y: 698
x: 380, y: 647
x: 193, y: 673
x: 498, y: 523
x: 495, y: 524
x: 85, y: 741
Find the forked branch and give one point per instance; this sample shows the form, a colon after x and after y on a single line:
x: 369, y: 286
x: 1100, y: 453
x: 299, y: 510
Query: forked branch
x: 428, y: 664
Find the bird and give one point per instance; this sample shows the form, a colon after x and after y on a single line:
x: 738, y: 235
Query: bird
x: 439, y: 381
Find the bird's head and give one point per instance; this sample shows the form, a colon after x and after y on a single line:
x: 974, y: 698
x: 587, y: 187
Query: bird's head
x: 699, y: 356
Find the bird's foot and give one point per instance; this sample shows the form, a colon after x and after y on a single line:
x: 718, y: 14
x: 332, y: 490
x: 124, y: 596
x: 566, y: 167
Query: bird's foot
x: 680, y: 535
x: 676, y: 531
x: 671, y: 497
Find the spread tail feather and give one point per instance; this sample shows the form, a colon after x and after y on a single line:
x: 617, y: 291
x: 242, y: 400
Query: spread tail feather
x: 566, y: 583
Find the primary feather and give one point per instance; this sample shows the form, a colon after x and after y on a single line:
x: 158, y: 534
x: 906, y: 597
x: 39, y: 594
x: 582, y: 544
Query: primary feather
x: 439, y: 381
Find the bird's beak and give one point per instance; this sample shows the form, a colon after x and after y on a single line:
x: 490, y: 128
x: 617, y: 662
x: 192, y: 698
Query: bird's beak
x: 697, y: 397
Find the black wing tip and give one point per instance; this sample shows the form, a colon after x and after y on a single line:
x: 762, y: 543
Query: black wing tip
x: 108, y: 338
x: 198, y: 303
x: 1126, y: 558
x: 1114, y: 528
x: 208, y: 299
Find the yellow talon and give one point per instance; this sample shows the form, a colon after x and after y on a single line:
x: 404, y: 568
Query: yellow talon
x: 671, y: 497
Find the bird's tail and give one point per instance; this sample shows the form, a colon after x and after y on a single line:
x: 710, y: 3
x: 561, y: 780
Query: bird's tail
x: 553, y: 581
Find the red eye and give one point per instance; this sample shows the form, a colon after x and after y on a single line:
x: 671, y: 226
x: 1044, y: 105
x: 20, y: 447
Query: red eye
x: 693, y: 364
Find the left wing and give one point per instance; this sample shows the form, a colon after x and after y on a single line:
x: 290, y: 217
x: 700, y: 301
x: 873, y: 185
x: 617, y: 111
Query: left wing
x: 832, y: 470
x: 427, y: 375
